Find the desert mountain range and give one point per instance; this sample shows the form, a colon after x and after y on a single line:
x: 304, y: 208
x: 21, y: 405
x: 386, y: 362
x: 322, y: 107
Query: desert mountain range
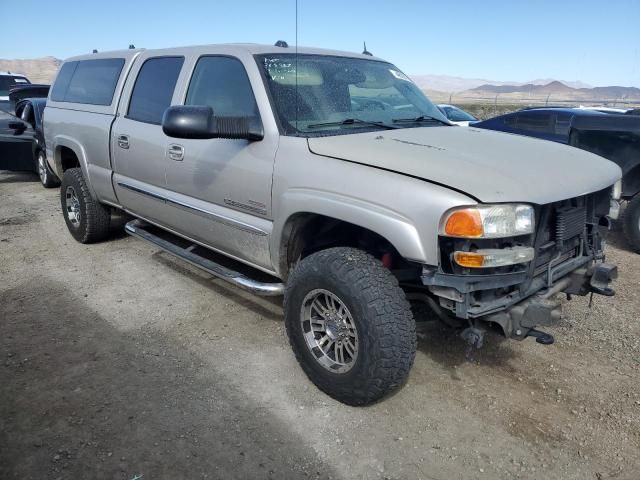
x: 42, y: 70
x: 38, y: 70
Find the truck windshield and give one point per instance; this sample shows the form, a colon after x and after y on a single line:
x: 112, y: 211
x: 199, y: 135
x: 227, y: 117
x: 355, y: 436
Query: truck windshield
x: 326, y: 95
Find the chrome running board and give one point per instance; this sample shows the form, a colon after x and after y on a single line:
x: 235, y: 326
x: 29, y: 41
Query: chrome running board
x: 140, y: 229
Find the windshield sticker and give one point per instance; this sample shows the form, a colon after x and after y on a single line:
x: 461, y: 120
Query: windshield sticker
x: 399, y: 75
x: 20, y: 80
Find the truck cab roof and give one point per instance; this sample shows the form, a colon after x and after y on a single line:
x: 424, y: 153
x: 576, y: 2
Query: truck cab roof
x: 230, y: 48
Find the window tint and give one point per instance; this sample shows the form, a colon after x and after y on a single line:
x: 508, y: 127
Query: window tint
x: 59, y: 89
x: 222, y: 83
x: 563, y: 122
x: 154, y: 88
x: 511, y: 121
x: 535, y: 122
x: 94, y: 81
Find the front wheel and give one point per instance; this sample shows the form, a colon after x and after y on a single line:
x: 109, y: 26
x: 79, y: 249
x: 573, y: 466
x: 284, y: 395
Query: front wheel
x: 631, y: 223
x: 350, y: 325
x: 47, y: 177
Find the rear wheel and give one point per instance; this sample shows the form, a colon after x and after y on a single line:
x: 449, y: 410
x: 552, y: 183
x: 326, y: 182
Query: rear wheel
x: 350, y: 325
x: 88, y: 221
x: 631, y: 223
x: 47, y: 177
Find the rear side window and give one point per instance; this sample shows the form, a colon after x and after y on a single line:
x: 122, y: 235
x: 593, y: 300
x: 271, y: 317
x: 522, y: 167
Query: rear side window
x: 535, y: 122
x: 60, y: 86
x: 222, y: 83
x: 510, y: 121
x: 92, y: 82
x: 563, y: 122
x: 154, y: 88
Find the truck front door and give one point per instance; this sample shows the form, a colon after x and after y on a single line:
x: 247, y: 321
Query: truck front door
x: 220, y: 189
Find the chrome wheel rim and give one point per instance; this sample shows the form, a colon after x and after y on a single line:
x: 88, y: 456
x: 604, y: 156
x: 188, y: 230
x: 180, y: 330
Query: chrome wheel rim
x: 73, y: 206
x: 42, y: 168
x: 329, y: 331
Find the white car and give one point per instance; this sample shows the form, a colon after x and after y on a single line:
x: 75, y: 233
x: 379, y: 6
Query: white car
x: 457, y: 116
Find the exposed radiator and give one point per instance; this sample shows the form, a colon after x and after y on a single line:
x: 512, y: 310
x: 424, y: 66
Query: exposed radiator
x: 570, y: 222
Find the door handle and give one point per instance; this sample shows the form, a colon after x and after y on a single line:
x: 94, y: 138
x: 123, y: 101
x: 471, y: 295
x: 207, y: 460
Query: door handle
x: 123, y: 141
x: 176, y: 152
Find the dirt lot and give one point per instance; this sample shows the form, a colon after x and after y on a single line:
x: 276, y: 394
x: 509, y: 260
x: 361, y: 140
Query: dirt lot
x: 118, y: 362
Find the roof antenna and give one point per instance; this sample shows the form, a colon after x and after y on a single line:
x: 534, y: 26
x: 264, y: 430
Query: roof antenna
x: 131, y: 46
x: 365, y: 51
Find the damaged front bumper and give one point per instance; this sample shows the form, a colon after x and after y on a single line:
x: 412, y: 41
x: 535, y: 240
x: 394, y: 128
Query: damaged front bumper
x: 529, y: 303
x: 544, y: 308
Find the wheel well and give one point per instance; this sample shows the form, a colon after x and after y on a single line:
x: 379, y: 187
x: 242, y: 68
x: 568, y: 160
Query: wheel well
x: 307, y: 233
x: 68, y: 159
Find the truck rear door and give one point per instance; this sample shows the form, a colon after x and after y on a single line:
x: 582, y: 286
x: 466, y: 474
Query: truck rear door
x: 137, y: 141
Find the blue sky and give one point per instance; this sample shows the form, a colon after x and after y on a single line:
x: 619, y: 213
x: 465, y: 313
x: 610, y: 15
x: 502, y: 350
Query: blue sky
x: 597, y: 42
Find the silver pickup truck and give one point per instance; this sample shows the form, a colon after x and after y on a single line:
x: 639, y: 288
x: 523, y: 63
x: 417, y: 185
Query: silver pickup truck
x: 337, y: 184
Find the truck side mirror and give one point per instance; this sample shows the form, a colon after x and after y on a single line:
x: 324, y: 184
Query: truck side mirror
x: 199, y: 122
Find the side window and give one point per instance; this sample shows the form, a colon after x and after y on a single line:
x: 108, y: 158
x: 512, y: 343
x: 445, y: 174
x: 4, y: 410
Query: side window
x: 60, y: 86
x: 563, y: 122
x: 94, y: 81
x: 535, y: 122
x: 154, y: 88
x: 511, y: 121
x: 222, y: 83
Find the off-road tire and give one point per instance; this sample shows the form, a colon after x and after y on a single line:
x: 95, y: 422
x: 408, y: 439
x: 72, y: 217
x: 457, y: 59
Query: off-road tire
x: 381, y: 313
x: 631, y: 223
x: 95, y: 218
x: 47, y: 177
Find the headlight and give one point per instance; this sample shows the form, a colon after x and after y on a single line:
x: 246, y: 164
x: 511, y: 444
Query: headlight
x: 489, y: 221
x: 616, y: 191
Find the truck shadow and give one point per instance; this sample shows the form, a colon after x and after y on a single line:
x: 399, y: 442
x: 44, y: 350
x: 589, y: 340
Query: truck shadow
x: 82, y: 399
x: 266, y: 307
x: 443, y: 345
x: 18, y: 177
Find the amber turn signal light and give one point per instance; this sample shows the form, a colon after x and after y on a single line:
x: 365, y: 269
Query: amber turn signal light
x: 469, y: 259
x: 464, y: 223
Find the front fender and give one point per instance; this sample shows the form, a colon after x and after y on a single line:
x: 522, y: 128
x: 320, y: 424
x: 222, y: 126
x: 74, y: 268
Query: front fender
x: 394, y: 227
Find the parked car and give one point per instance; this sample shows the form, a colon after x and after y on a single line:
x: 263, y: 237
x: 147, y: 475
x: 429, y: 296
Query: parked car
x: 457, y: 115
x: 546, y: 123
x: 256, y: 152
x: 22, y: 146
x: 613, y: 136
x: 8, y: 80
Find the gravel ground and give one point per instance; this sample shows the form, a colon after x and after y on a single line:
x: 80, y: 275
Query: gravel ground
x: 119, y: 362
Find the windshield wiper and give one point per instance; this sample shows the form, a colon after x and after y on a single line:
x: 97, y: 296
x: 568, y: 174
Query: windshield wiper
x: 421, y: 118
x: 352, y: 121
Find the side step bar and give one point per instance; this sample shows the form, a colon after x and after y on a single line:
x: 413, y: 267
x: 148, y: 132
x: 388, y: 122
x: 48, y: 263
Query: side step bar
x: 137, y: 228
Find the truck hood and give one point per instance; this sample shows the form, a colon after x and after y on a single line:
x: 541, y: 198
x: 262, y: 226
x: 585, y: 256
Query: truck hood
x: 486, y: 165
